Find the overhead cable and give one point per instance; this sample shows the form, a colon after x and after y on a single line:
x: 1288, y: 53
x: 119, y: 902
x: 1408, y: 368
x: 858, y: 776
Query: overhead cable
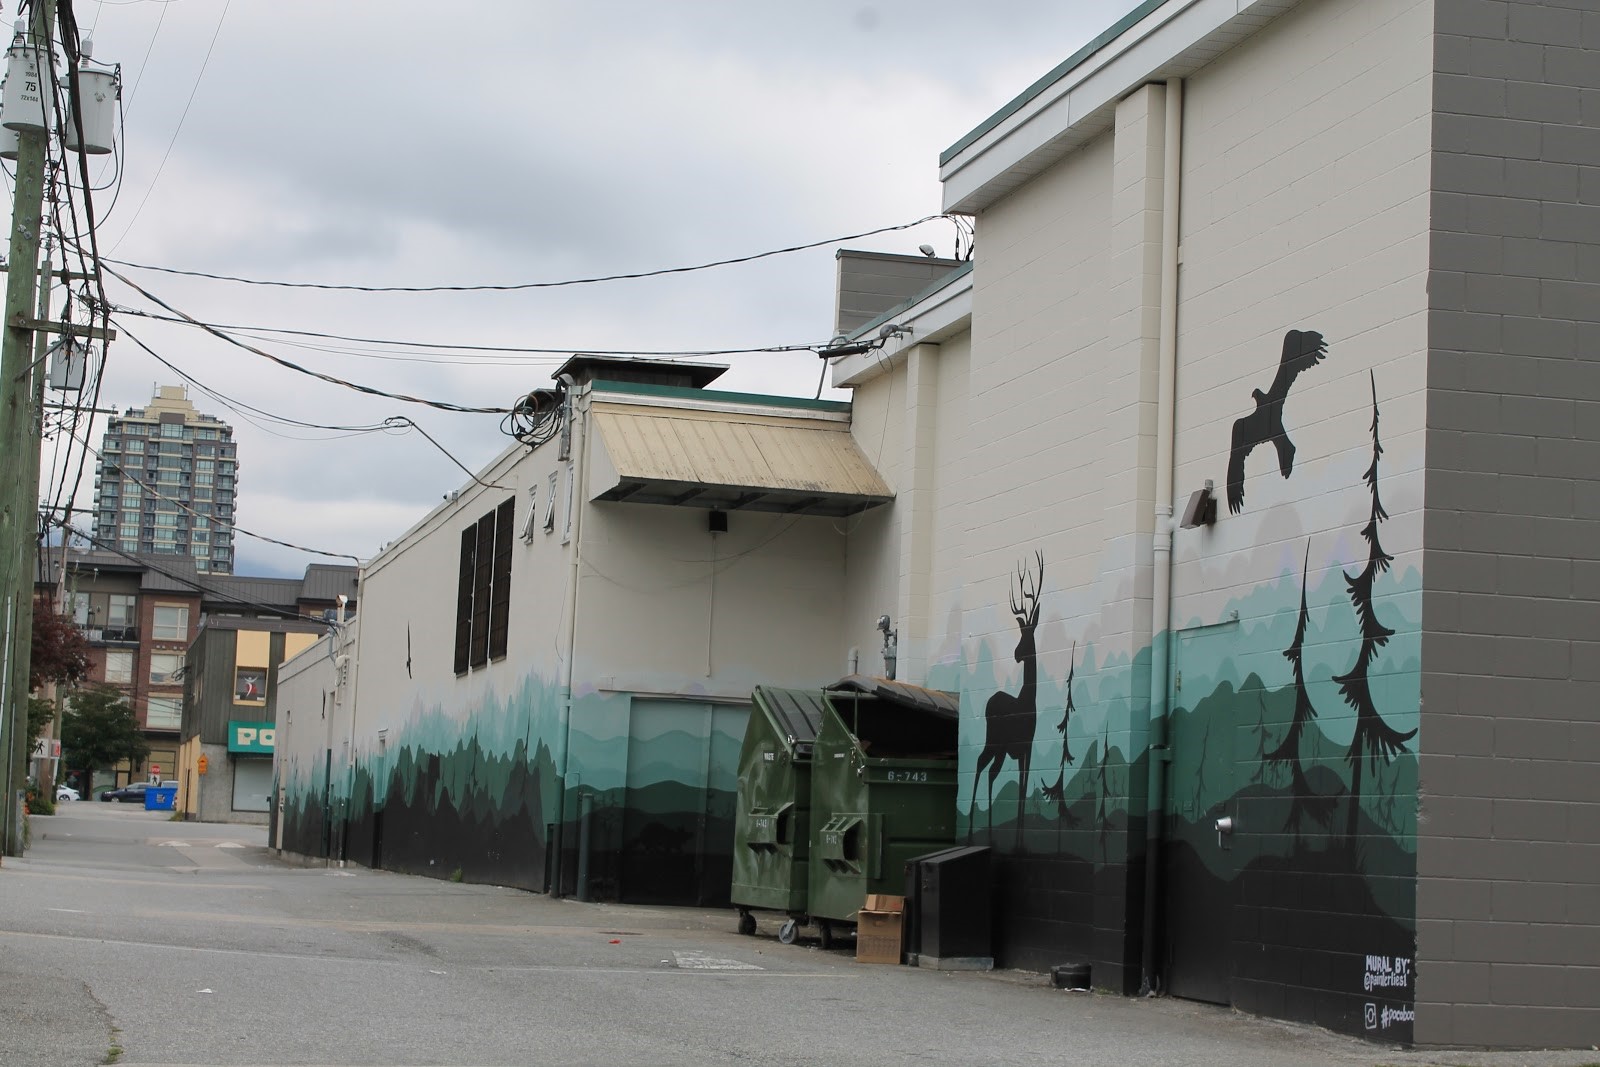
x: 568, y: 350
x: 150, y: 487
x: 518, y: 286
x: 68, y: 531
x: 368, y: 389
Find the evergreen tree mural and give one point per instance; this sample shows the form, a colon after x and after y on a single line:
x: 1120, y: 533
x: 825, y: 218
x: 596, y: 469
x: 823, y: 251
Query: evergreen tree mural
x: 1058, y: 792
x: 1261, y: 738
x: 1374, y: 739
x: 1303, y: 802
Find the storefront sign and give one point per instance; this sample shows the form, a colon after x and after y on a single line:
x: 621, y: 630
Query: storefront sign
x: 251, y: 737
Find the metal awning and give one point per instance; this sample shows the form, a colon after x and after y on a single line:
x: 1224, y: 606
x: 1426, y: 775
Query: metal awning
x: 732, y: 460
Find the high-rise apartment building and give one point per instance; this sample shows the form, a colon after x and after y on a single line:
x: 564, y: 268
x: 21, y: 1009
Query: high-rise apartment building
x: 165, y: 483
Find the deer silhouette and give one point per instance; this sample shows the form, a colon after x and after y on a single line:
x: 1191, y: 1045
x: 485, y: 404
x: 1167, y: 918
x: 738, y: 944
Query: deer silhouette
x: 1009, y: 719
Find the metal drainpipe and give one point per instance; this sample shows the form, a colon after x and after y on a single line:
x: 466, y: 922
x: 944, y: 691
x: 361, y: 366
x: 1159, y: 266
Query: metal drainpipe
x: 580, y: 471
x: 1161, y: 601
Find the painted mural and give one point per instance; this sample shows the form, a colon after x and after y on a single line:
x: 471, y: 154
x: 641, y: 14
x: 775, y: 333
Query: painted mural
x: 649, y: 796
x: 1009, y: 718
x: 1289, y: 800
x: 1302, y: 350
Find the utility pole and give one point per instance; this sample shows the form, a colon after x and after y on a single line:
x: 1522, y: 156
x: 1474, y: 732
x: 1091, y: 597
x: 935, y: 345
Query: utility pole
x: 19, y: 496
x: 31, y: 460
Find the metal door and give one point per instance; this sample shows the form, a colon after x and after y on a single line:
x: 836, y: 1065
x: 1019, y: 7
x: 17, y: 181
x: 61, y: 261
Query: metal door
x: 1198, y: 858
x: 677, y: 823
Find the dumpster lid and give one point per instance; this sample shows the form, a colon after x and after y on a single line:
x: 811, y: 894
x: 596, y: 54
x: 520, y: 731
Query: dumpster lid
x: 935, y: 701
x: 797, y: 712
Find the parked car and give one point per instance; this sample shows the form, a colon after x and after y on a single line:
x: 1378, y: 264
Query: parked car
x: 128, y: 794
x: 65, y: 792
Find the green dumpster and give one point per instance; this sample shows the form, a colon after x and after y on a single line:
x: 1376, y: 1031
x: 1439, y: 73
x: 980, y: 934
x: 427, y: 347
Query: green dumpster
x: 883, y: 790
x: 772, y: 830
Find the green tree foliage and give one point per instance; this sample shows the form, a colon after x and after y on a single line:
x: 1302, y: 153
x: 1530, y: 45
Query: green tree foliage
x: 59, y: 653
x: 100, y: 729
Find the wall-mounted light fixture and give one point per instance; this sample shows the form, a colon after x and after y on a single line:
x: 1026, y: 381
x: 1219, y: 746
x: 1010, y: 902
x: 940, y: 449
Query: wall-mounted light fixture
x: 718, y: 523
x: 891, y: 644
x: 1202, y: 508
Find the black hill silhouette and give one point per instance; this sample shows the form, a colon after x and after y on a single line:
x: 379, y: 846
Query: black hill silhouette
x: 1009, y: 719
x: 1302, y: 349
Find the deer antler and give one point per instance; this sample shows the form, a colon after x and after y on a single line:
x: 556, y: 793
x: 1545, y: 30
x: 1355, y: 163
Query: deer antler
x: 1030, y: 597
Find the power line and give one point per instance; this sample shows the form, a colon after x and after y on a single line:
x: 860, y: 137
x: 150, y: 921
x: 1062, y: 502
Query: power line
x: 443, y: 346
x: 239, y: 407
x: 393, y: 422
x: 150, y: 487
x: 368, y: 389
x: 181, y: 119
x: 193, y: 583
x: 518, y: 286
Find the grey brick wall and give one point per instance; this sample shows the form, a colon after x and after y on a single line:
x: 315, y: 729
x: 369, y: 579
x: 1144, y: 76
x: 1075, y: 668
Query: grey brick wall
x: 1508, y: 851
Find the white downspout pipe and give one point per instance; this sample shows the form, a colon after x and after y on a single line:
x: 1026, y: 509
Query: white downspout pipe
x: 577, y: 402
x: 1161, y: 600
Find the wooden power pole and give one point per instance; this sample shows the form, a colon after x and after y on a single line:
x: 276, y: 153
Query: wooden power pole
x: 19, y: 493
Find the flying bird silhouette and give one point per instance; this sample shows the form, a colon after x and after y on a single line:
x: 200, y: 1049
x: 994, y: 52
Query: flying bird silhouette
x: 1302, y: 349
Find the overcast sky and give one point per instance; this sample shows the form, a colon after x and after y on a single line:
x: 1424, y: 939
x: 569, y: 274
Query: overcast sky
x: 398, y: 143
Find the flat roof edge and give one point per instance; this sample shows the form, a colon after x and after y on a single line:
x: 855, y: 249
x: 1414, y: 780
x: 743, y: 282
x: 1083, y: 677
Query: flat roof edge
x: 1061, y: 70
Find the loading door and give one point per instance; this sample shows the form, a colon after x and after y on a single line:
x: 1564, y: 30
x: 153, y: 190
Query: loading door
x: 677, y: 819
x: 1199, y: 854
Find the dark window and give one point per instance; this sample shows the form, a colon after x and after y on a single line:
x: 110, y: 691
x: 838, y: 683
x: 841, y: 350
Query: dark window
x: 483, y: 590
x: 469, y: 546
x: 500, y: 597
x: 481, y: 584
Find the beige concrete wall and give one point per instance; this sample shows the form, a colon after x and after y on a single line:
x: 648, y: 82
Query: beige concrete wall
x: 1304, y: 207
x: 1034, y: 410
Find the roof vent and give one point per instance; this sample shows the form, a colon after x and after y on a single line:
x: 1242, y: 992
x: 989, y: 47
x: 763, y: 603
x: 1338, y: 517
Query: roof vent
x: 585, y: 367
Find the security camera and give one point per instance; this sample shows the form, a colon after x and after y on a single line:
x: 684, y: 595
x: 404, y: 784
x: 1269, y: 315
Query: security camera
x: 883, y: 623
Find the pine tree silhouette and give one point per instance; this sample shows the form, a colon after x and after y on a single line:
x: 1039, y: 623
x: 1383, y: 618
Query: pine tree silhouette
x: 1374, y: 739
x: 1303, y: 801
x: 1261, y: 738
x: 1058, y: 792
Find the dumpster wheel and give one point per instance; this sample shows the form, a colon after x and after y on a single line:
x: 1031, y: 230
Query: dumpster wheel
x: 824, y: 934
x: 747, y: 922
x: 788, y: 932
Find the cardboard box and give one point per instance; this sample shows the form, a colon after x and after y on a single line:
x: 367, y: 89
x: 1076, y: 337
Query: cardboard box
x: 878, y: 935
x: 884, y: 902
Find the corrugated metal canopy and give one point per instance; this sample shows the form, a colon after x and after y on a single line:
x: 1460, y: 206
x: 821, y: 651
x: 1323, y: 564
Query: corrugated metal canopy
x: 719, y: 459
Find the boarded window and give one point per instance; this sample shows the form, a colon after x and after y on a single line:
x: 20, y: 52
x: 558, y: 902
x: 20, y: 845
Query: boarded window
x: 483, y: 596
x: 500, y: 596
x: 469, y: 555
x: 482, y: 583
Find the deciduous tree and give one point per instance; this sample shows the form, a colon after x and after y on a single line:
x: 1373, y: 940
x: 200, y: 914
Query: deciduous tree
x: 60, y: 653
x: 100, y: 729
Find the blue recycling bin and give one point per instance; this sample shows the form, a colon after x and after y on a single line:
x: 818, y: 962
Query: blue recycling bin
x: 161, y: 798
